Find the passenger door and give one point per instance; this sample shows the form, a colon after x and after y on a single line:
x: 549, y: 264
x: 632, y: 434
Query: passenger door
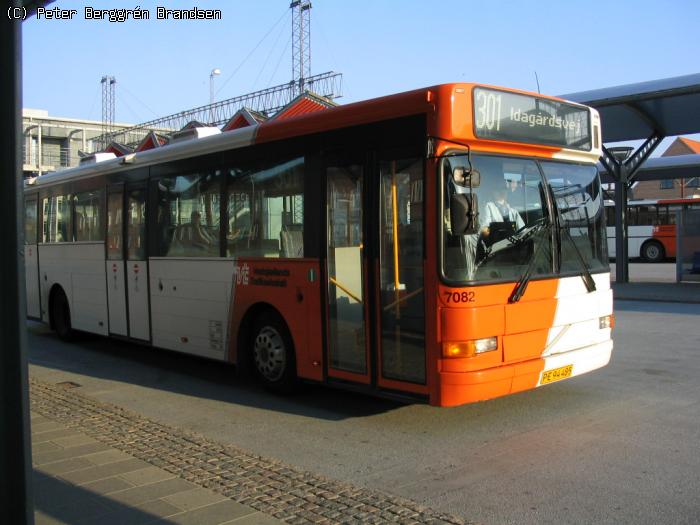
x: 374, y: 268
x: 116, y: 289
x: 137, y: 264
x: 127, y: 265
x: 31, y: 258
x: 401, y: 305
x: 346, y: 268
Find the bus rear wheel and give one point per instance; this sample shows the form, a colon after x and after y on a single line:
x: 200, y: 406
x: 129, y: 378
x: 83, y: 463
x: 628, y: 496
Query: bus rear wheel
x: 60, y: 315
x: 653, y: 251
x: 272, y: 353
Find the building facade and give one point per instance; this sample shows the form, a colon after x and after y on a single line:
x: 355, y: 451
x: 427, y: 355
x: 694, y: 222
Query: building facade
x: 672, y: 189
x: 54, y: 143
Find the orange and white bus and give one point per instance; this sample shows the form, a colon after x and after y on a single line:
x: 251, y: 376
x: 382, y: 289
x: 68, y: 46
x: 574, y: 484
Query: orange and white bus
x: 651, y: 227
x: 445, y: 244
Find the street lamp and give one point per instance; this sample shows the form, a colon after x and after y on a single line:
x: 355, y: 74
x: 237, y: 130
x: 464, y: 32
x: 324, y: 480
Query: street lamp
x: 214, y: 72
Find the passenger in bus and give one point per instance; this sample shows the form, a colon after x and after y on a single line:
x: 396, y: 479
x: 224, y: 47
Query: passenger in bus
x: 194, y: 234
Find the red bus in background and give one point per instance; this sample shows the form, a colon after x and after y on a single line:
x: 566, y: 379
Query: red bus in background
x: 651, y: 227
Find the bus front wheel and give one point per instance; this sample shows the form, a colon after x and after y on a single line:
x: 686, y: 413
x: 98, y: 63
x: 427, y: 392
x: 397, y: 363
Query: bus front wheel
x: 653, y: 251
x: 273, y: 353
x: 60, y: 315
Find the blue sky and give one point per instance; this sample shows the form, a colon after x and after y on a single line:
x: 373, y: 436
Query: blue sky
x: 381, y: 47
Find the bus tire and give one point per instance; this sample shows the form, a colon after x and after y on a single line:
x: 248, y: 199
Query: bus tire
x: 653, y: 251
x: 60, y: 315
x: 272, y: 353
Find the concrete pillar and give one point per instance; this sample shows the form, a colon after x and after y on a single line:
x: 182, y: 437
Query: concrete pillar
x: 70, y: 142
x: 38, y: 147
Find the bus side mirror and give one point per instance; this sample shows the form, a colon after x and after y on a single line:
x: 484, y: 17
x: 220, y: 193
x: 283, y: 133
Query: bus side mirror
x: 463, y: 213
x: 473, y: 178
x: 467, y: 178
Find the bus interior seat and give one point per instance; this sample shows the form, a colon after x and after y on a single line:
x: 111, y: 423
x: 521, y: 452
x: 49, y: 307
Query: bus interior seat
x: 292, y: 240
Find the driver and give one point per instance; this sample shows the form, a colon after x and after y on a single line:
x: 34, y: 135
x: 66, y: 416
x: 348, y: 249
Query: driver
x: 499, y: 210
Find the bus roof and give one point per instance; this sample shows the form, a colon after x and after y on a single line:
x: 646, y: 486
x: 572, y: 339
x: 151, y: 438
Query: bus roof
x: 416, y: 102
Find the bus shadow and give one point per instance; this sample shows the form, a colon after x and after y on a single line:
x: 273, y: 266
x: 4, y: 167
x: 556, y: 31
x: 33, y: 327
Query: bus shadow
x: 189, y: 375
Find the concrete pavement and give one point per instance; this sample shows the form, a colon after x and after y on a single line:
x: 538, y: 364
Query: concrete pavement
x: 96, y: 463
x: 80, y: 480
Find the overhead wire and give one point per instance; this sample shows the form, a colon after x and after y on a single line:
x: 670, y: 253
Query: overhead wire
x: 286, y: 13
x: 121, y: 100
x: 327, y: 44
x: 267, y: 59
x: 94, y: 101
x: 289, y: 40
x: 122, y: 87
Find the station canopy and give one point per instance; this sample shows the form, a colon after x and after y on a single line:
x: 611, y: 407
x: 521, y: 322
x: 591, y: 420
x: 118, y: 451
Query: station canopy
x: 669, y: 107
x: 665, y: 107
x: 660, y: 168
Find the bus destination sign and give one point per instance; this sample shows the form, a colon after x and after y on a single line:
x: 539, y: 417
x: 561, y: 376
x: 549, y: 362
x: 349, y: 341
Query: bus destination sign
x: 502, y: 115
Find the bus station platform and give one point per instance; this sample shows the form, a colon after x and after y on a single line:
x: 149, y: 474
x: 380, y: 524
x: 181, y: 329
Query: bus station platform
x: 657, y: 292
x: 654, y: 282
x: 96, y: 463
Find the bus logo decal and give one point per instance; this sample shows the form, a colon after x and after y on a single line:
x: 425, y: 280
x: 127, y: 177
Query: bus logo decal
x: 242, y: 274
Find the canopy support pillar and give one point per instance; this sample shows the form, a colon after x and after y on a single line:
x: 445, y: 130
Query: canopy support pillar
x: 15, y: 454
x: 623, y: 172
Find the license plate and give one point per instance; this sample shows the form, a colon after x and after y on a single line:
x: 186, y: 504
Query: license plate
x: 556, y: 374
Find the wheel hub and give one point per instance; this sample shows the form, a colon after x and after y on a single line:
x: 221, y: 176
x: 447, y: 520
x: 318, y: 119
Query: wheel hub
x: 269, y: 352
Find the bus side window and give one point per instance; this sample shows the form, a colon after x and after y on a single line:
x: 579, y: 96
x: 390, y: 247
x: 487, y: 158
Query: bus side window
x: 88, y: 220
x: 672, y: 214
x: 30, y: 218
x: 266, y: 210
x: 188, y: 215
x: 57, y: 223
x: 115, y: 228
x: 644, y: 216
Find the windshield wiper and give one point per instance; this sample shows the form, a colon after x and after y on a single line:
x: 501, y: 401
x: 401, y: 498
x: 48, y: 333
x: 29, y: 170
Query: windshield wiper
x: 586, y: 275
x: 520, y: 288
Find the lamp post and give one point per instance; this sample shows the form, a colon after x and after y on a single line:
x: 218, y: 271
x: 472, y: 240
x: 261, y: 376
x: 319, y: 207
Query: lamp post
x: 214, y: 72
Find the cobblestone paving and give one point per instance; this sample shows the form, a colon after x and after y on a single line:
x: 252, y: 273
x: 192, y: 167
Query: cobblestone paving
x: 269, y: 486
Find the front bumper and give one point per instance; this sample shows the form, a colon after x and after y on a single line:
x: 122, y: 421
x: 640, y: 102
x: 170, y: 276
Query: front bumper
x: 458, y: 388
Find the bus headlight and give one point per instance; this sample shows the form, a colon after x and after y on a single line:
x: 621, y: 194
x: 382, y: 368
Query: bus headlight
x: 607, y: 321
x: 469, y: 348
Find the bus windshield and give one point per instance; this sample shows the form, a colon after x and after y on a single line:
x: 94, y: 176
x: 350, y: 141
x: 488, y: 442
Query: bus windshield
x: 579, y: 203
x: 514, y: 231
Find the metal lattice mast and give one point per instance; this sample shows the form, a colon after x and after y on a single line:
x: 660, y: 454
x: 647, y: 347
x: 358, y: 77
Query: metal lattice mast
x: 301, y: 44
x: 108, y: 102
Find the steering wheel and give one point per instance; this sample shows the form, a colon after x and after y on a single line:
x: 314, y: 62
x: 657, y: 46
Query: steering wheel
x: 527, y: 231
